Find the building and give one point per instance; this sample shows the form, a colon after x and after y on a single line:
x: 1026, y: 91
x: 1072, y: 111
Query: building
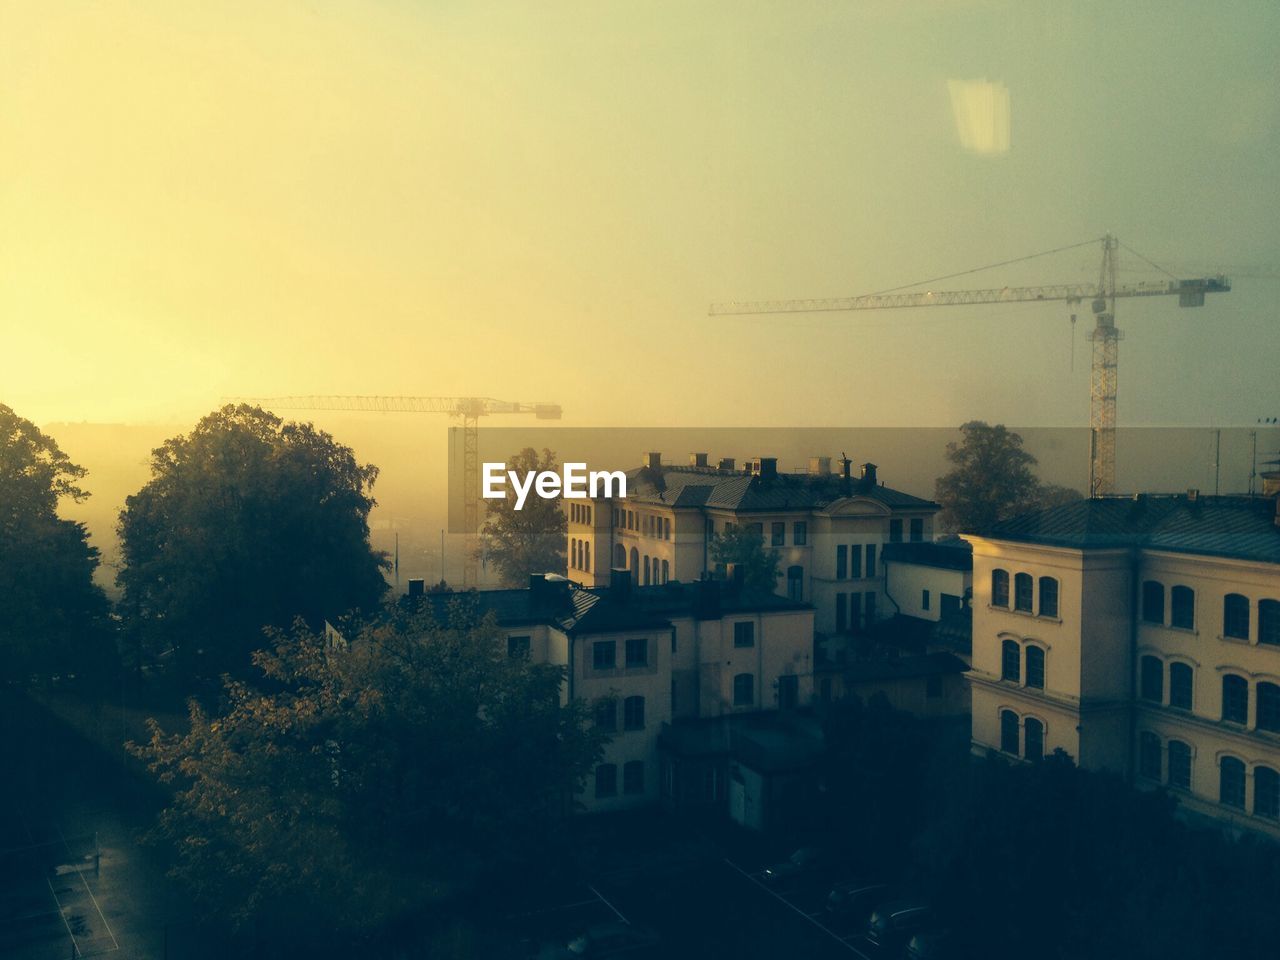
x: 653, y: 658
x: 829, y: 529
x: 1141, y: 636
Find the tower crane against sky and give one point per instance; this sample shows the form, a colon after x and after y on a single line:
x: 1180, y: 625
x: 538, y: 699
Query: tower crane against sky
x: 468, y: 409
x: 1105, y: 335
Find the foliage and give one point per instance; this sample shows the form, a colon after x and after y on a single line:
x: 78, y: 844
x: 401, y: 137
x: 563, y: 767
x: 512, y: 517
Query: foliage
x: 991, y: 479
x: 744, y: 547
x: 53, y: 618
x: 246, y: 522
x: 362, y: 781
x: 532, y: 539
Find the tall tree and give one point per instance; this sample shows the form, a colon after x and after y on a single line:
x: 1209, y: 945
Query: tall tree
x: 528, y: 540
x: 744, y: 548
x: 991, y: 479
x: 246, y: 522
x: 370, y: 778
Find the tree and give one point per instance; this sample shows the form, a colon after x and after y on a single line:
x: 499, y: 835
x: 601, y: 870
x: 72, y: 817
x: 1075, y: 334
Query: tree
x: 369, y: 779
x: 743, y: 546
x: 529, y: 540
x: 53, y: 618
x: 992, y: 479
x: 247, y: 522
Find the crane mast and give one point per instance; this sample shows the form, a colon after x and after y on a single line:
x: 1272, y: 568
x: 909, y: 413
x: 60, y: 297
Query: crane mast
x: 1105, y: 336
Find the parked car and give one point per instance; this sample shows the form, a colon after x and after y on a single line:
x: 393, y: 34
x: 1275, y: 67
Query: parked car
x: 931, y: 945
x: 604, y: 940
x: 893, y: 924
x: 803, y: 862
x: 853, y: 901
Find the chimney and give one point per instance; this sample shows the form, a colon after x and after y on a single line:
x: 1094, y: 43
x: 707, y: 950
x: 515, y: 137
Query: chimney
x: 766, y: 468
x: 653, y: 461
x: 735, y: 576
x: 726, y: 464
x: 697, y: 459
x: 417, y: 587
x: 845, y: 464
x: 819, y: 466
x: 620, y: 584
x: 1193, y: 494
x: 869, y: 474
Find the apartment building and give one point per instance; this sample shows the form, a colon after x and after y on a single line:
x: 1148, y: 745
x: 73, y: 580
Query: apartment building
x: 649, y: 657
x: 828, y: 527
x: 1141, y: 636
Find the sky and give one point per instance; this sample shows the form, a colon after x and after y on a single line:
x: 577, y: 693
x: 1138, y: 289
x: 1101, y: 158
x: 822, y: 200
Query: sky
x: 539, y: 201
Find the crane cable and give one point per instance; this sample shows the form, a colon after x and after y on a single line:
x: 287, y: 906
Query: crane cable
x: 990, y: 266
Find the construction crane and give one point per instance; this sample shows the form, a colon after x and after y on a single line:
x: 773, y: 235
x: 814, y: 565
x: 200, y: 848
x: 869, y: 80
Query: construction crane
x: 468, y: 409
x: 1105, y: 335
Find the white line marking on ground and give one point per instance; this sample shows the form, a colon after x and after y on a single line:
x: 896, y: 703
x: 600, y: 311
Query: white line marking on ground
x: 608, y: 904
x: 791, y: 906
x: 115, y: 944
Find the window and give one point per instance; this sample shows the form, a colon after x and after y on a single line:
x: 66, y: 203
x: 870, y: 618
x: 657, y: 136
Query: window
x: 1269, y: 707
x: 1048, y: 597
x: 795, y: 583
x: 855, y: 562
x: 633, y: 713
x: 1009, y: 732
x: 895, y: 531
x: 1180, y: 684
x: 870, y: 604
x: 1010, y: 655
x: 666, y: 570
x: 757, y: 529
x: 638, y: 652
x: 999, y: 588
x: 1266, y: 793
x: 1149, y: 755
x: 842, y: 612
x: 924, y: 599
x: 604, y: 654
x: 1022, y: 587
x: 606, y: 780
x: 1182, y: 608
x: 1269, y: 622
x: 586, y: 556
x: 855, y: 611
x: 1151, y: 679
x: 917, y: 530
x: 788, y: 691
x: 1235, y: 699
x: 744, y: 690
x: 744, y: 634
x: 842, y: 561
x: 1035, y: 667
x: 871, y: 560
x: 606, y: 714
x: 1235, y: 616
x: 1033, y: 739
x: 777, y: 534
x: 1179, y: 765
x: 799, y: 533
x: 1231, y: 782
x: 518, y: 648
x: 633, y: 776
x: 1153, y: 601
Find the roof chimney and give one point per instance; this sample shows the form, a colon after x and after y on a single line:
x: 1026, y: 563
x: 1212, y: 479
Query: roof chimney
x: 869, y: 474
x: 1193, y: 494
x: 845, y: 464
x: 697, y: 459
x: 819, y: 466
x: 766, y: 468
x: 653, y: 461
x: 726, y: 464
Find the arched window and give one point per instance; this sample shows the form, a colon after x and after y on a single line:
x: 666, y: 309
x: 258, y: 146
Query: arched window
x: 1235, y: 616
x: 1269, y: 622
x: 577, y: 559
x: 1180, y: 686
x: 619, y: 556
x: 744, y: 690
x: 587, y: 511
x: 1048, y: 597
x: 1151, y: 679
x: 666, y: 570
x: 635, y: 565
x: 1010, y: 655
x: 1022, y: 592
x: 586, y: 555
x: 1179, y: 765
x: 1231, y: 782
x: 1235, y: 699
x: 1266, y: 793
x: 1269, y: 707
x: 999, y: 588
x: 633, y: 713
x: 1035, y: 667
x: 1033, y: 739
x: 1182, y: 608
x: 1149, y: 755
x: 1009, y: 732
x: 1153, y: 601
x: 646, y: 569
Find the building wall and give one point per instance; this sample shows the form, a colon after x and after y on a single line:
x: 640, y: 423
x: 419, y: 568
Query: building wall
x: 905, y: 584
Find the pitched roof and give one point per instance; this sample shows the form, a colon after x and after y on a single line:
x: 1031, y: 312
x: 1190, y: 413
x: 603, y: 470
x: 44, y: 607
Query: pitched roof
x: 1229, y: 526
x: 740, y: 491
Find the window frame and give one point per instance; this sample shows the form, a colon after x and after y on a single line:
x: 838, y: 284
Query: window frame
x: 1028, y: 674
x: 1010, y: 732
x: 633, y: 712
x: 1240, y: 697
x: 598, y: 661
x: 637, y: 643
x: 1237, y: 615
x: 1153, y: 593
x: 1024, y: 600
x: 744, y: 634
x: 1177, y: 669
x: 1182, y: 615
x: 1052, y: 612
x: 1011, y: 661
x: 1000, y: 588
x: 1235, y: 768
x: 750, y: 687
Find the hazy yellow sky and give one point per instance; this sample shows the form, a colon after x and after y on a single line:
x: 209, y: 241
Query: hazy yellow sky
x: 539, y: 200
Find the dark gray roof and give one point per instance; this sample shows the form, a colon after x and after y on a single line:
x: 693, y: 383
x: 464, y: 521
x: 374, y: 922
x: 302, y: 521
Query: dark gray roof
x: 739, y: 491
x: 768, y: 742
x: 1238, y: 527
x: 937, y: 664
x: 945, y: 554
